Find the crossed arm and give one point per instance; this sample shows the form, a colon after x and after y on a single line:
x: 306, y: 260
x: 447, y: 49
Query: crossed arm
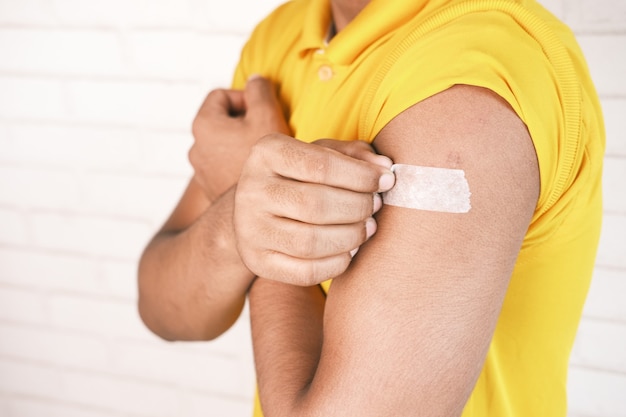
x: 405, y: 329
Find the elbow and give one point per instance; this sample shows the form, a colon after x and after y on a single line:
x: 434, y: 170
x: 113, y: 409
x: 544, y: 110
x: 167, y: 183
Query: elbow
x: 161, y: 326
x: 164, y: 319
x: 169, y: 311
x: 151, y: 324
x: 148, y: 307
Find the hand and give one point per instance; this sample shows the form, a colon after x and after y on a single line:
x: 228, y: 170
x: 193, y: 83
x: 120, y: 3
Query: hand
x: 228, y: 123
x: 301, y: 209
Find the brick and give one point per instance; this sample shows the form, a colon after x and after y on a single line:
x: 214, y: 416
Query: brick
x: 165, y: 153
x: 53, y: 347
x: 91, y: 316
x: 220, y: 16
x: 21, y: 306
x: 68, y: 274
x: 56, y: 51
x: 124, y: 13
x: 615, y: 122
x: 122, y: 395
x: 600, y: 344
x: 23, y: 378
x: 48, y: 272
x: 613, y: 185
x: 32, y: 98
x: 593, y: 16
x: 596, y: 393
x: 611, y: 251
x: 158, y: 53
x: 606, y: 57
x: 203, y: 405
x: 605, y: 299
x: 13, y: 229
x: 220, y: 60
x: 31, y: 407
x: 98, y: 148
x: 119, y: 279
x: 5, y: 141
x: 36, y: 188
x: 150, y: 198
x: 89, y: 390
x: 72, y: 147
x: 90, y: 235
x: 145, y: 104
x: 4, y: 406
x: 217, y: 374
x: 31, y: 12
x: 555, y: 6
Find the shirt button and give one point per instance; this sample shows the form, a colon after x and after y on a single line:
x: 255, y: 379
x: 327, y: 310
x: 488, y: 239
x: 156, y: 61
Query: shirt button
x: 325, y: 73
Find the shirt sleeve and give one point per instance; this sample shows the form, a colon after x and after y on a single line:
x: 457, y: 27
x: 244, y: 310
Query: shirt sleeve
x: 491, y: 49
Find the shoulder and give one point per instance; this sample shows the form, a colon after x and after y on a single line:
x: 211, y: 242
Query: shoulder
x: 521, y: 53
x: 270, y: 40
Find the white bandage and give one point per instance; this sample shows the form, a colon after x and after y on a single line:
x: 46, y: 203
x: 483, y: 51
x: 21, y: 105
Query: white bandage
x: 428, y: 188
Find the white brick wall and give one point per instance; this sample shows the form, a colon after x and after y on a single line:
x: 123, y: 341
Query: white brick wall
x: 96, y: 101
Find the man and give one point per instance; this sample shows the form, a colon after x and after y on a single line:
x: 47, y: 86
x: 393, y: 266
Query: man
x: 438, y: 313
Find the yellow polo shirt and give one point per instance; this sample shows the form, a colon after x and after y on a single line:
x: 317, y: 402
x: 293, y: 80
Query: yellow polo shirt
x: 396, y: 53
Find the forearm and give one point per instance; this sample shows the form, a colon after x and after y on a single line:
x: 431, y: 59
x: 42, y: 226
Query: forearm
x: 192, y: 283
x: 287, y: 337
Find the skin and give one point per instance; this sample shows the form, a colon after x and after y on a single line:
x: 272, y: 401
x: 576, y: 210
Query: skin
x: 192, y: 280
x: 408, y: 321
x: 192, y: 283
x: 405, y: 329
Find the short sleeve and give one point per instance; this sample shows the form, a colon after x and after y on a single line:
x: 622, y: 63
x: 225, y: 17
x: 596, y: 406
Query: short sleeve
x: 494, y: 50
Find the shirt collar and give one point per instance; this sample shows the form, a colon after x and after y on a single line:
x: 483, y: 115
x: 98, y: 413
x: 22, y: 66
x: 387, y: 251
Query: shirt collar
x: 378, y: 18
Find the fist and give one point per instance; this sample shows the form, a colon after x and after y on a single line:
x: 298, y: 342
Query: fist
x: 302, y: 210
x: 227, y: 125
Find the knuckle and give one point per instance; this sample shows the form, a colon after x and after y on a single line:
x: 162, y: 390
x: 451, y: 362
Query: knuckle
x: 192, y: 156
x: 328, y: 143
x: 265, y: 142
x: 265, y: 146
x: 198, y: 126
x: 310, y: 274
x: 284, y: 195
x: 361, y: 232
x: 319, y: 167
x: 312, y: 207
x: 326, y: 269
x: 247, y: 256
x: 366, y: 206
x: 306, y: 246
x: 216, y: 94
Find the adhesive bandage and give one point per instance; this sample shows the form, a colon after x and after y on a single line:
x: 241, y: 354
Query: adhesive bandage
x: 427, y: 188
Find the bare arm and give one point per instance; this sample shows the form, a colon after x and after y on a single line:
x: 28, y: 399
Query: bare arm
x: 406, y: 328
x: 192, y: 283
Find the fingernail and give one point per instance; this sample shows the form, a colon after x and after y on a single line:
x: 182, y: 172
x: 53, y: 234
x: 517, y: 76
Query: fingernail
x: 386, y: 181
x: 354, y: 251
x: 384, y: 161
x: 378, y: 202
x: 254, y: 77
x: 370, y: 227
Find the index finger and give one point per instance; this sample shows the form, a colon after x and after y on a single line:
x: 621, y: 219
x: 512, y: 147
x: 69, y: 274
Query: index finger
x: 320, y: 165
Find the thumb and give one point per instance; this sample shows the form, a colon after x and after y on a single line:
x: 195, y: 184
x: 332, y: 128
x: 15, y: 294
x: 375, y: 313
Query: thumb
x: 260, y: 97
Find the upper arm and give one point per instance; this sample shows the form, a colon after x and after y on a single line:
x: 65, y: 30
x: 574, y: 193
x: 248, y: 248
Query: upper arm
x: 408, y: 325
